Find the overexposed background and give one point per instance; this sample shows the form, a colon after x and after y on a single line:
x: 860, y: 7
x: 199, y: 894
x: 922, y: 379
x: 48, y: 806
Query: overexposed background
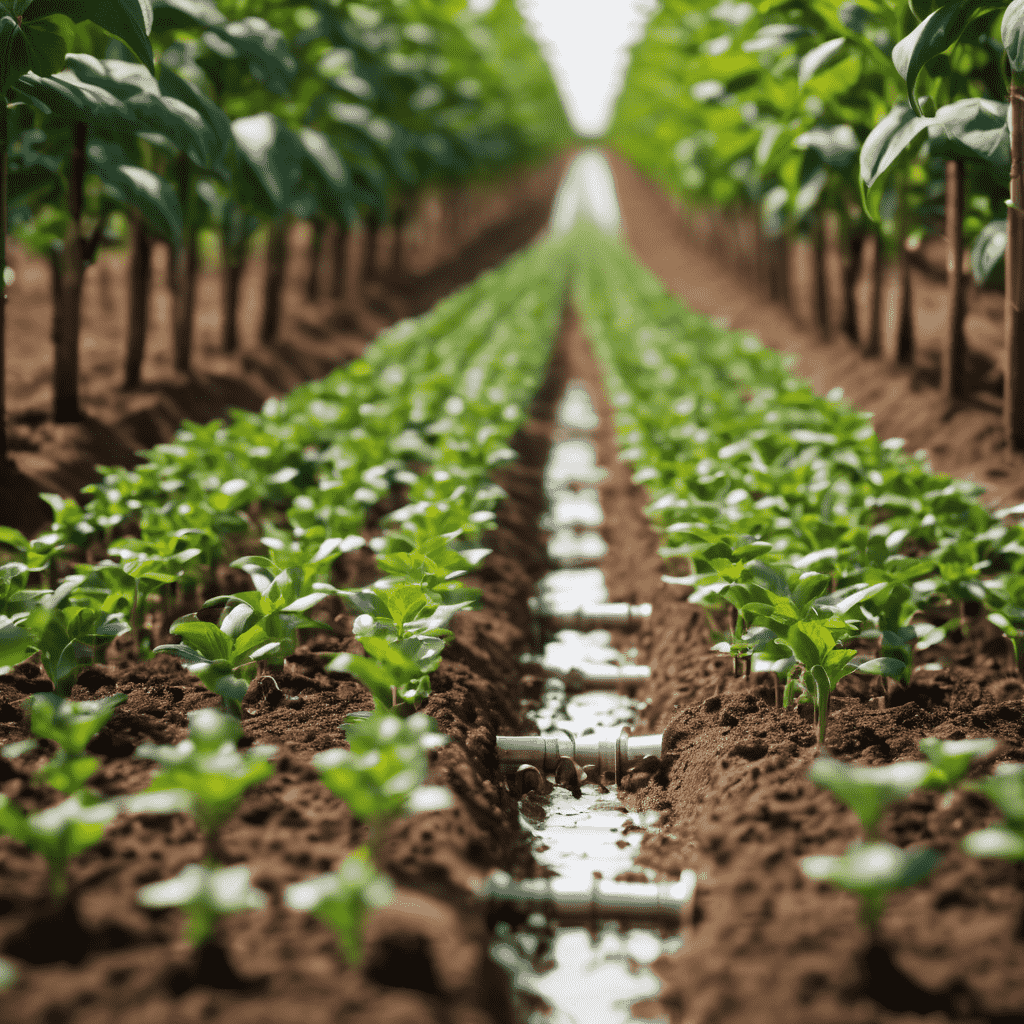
x: 586, y: 43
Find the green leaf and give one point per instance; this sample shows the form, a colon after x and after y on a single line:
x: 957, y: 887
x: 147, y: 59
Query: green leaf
x: 988, y: 250
x: 888, y: 139
x: 171, y: 15
x: 140, y: 189
x: 972, y: 129
x: 818, y: 58
x: 810, y: 642
x: 1012, y: 32
x: 952, y: 759
x: 15, y: 644
x: 891, y: 667
x: 270, y: 160
x: 938, y: 32
x: 204, y: 637
x: 131, y: 21
x: 998, y: 841
x: 869, y: 790
x: 872, y: 871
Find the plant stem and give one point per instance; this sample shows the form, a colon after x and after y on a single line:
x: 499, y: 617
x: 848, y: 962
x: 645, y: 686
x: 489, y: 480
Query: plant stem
x: 1013, y: 310
x: 954, y: 348
x: 138, y: 301
x: 3, y: 284
x: 277, y: 256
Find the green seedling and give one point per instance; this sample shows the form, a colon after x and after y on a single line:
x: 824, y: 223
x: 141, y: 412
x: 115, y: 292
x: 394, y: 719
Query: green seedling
x: 951, y: 760
x: 872, y: 871
x: 8, y: 974
x: 204, y: 894
x: 71, y: 725
x: 396, y: 670
x: 58, y: 833
x: 381, y: 775
x: 343, y: 898
x: 210, y: 769
x: 15, y: 643
x: 223, y: 657
x: 869, y: 790
x: 1005, y: 840
x: 69, y: 636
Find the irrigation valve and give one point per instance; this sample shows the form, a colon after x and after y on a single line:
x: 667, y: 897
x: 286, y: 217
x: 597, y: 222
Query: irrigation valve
x: 607, y: 751
x: 572, y: 903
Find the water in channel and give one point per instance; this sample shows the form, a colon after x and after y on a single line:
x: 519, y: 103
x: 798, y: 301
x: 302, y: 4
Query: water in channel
x: 565, y: 974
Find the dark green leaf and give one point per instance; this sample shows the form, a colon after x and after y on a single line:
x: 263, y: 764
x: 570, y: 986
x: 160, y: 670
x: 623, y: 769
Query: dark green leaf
x: 131, y: 21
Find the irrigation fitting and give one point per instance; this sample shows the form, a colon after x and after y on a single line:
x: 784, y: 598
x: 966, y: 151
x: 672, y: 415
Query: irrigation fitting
x: 591, y: 616
x: 572, y: 903
x: 608, y: 751
x: 592, y: 676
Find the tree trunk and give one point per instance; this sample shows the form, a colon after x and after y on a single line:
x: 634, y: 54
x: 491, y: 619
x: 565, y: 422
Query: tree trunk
x: 1013, y: 315
x: 72, y: 269
x: 277, y: 258
x: 397, y: 269
x: 316, y: 252
x: 339, y: 260
x: 954, y: 348
x: 3, y: 283
x: 820, y: 280
x: 232, y: 280
x: 873, y: 342
x: 139, y: 275
x: 905, y: 333
x: 851, y: 272
x: 186, y: 269
x: 371, y: 233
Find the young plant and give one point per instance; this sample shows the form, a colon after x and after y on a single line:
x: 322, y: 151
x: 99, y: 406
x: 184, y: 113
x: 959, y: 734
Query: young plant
x: 343, y: 898
x: 209, y: 770
x: 71, y: 725
x: 8, y: 974
x: 381, y: 775
x: 869, y: 790
x: 204, y: 894
x: 951, y: 760
x: 58, y: 833
x: 223, y: 657
x: 1005, y: 840
x: 872, y: 871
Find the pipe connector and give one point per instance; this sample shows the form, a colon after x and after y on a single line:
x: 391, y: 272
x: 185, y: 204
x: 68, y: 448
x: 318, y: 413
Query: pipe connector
x: 607, y: 750
x: 592, y: 616
x: 571, y: 903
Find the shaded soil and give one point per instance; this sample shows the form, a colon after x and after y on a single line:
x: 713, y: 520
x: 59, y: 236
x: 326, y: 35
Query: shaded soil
x: 450, y: 241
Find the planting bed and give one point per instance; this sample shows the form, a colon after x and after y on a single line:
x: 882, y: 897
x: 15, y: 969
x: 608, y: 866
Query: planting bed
x: 735, y: 802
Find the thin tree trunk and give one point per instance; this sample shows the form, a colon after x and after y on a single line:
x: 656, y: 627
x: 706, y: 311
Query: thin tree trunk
x: 3, y: 283
x: 139, y: 275
x: 186, y: 269
x: 316, y: 252
x: 954, y: 349
x: 371, y: 233
x: 277, y: 257
x: 232, y: 278
x: 1013, y: 316
x: 851, y: 272
x: 65, y: 371
x: 397, y: 270
x: 905, y: 333
x: 873, y: 342
x: 820, y: 282
x: 339, y: 260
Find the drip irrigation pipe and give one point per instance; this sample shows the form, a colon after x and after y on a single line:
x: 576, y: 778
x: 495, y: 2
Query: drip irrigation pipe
x: 591, y: 616
x: 591, y: 677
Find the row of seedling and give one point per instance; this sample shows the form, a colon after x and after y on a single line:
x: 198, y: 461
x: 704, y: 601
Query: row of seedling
x: 456, y: 402
x: 822, y: 550
x: 872, y: 869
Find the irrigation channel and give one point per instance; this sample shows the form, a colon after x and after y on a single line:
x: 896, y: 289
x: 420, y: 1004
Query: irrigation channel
x: 586, y: 940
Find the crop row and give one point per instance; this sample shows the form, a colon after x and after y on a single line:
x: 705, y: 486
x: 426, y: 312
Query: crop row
x: 189, y: 122
x: 828, y: 551
x: 425, y: 418
x: 889, y: 119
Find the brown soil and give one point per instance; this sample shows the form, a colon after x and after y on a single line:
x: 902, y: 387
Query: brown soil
x: 766, y: 945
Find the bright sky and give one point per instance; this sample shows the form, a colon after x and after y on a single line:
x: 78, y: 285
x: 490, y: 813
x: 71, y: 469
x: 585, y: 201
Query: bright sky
x: 586, y: 43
